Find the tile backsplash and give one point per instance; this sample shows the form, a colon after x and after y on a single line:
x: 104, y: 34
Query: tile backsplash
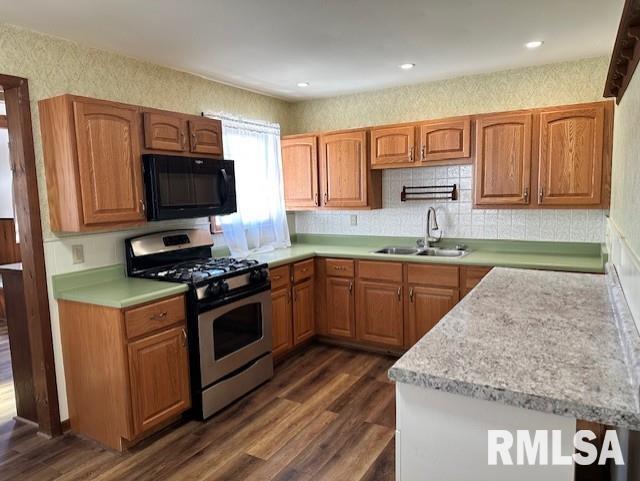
x: 457, y: 218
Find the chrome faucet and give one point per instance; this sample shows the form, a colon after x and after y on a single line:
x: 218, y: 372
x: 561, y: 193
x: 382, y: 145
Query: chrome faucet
x: 429, y: 238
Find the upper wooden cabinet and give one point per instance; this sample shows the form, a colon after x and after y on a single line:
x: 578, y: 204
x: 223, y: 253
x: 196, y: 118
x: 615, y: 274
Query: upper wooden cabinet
x: 164, y: 131
x: 503, y: 159
x: 300, y: 172
x: 205, y: 136
x: 571, y: 155
x: 345, y: 176
x: 445, y: 140
x: 393, y: 147
x: 92, y: 161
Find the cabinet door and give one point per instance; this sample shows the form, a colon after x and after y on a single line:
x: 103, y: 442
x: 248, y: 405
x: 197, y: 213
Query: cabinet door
x: 282, y: 321
x: 205, y: 136
x: 443, y: 140
x: 165, y: 132
x: 303, y: 309
x: 340, y: 307
x: 159, y: 373
x: 109, y: 162
x: 379, y: 316
x: 503, y: 159
x: 571, y: 154
x: 343, y: 169
x: 425, y: 307
x: 300, y: 172
x: 393, y: 146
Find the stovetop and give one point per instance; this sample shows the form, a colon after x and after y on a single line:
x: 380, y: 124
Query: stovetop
x: 201, y: 270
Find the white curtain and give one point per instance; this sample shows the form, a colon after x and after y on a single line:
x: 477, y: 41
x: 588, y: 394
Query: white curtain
x: 260, y: 225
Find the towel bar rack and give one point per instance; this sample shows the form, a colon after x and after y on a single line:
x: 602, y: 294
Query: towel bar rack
x: 429, y: 192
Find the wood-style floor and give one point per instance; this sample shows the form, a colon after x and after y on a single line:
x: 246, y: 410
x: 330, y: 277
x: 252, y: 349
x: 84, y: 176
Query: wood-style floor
x: 328, y: 414
x: 7, y: 394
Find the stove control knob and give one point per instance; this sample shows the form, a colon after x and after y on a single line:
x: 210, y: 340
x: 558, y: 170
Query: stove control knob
x: 224, y: 287
x: 264, y: 274
x: 214, y: 289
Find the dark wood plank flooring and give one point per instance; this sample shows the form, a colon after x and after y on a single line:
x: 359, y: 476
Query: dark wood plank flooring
x: 328, y: 414
x: 7, y: 393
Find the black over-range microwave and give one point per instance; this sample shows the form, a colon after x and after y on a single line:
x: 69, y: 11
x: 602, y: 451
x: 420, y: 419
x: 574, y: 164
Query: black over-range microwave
x: 185, y: 187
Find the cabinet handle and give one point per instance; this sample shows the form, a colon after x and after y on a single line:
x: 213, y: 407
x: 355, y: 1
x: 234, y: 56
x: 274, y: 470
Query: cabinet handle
x: 340, y: 268
x: 158, y: 317
x: 316, y: 199
x: 144, y: 207
x: 411, y: 294
x: 184, y: 338
x: 423, y: 152
x: 526, y: 195
x: 411, y: 154
x: 325, y: 198
x: 399, y: 292
x: 183, y: 139
x: 540, y: 195
x: 350, y: 287
x: 195, y: 139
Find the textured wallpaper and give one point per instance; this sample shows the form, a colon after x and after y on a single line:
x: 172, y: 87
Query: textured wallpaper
x: 54, y: 66
x: 562, y: 83
x: 625, y: 196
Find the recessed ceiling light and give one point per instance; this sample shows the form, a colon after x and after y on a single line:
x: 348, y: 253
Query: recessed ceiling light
x: 303, y: 84
x: 407, y: 66
x: 534, y: 44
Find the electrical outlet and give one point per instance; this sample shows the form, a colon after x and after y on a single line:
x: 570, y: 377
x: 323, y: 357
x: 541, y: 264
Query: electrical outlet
x: 77, y: 253
x: 354, y: 219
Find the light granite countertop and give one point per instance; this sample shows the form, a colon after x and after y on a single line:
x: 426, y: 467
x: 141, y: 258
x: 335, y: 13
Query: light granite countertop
x: 547, y: 341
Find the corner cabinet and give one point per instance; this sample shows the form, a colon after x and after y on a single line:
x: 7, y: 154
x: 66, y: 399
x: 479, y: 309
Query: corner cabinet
x: 93, y: 165
x: 332, y: 171
x: 125, y: 389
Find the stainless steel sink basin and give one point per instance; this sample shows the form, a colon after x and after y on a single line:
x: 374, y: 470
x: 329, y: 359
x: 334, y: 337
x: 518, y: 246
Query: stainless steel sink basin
x: 415, y: 251
x: 438, y: 252
x: 398, y: 251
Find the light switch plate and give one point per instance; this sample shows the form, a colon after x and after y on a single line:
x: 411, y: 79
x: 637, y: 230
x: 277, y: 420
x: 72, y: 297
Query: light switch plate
x: 354, y: 219
x: 77, y: 253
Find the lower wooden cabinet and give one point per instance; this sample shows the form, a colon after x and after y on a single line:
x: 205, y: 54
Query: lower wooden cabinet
x: 425, y: 307
x: 340, y: 310
x: 121, y: 387
x: 470, y: 277
x: 303, y: 311
x: 159, y: 372
x: 379, y: 316
x: 281, y: 320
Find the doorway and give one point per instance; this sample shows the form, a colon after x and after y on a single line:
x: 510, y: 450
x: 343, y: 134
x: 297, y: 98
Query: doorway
x: 24, y: 288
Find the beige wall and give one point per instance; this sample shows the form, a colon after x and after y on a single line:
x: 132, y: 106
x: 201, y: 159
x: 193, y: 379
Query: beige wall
x: 563, y: 83
x: 625, y: 182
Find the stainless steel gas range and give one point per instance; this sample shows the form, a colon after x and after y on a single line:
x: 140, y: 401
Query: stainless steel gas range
x: 229, y: 312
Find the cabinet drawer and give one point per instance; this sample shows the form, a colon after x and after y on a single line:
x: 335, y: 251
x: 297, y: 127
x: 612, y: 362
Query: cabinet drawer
x: 152, y: 317
x: 279, y: 277
x: 302, y: 270
x: 340, y: 268
x: 433, y: 275
x: 473, y: 275
x: 380, y: 271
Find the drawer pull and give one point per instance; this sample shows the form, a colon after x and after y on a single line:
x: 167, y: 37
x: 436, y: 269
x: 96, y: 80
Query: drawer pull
x: 399, y: 292
x: 340, y: 268
x: 350, y: 287
x: 184, y: 338
x: 277, y: 278
x: 159, y: 317
x: 411, y: 294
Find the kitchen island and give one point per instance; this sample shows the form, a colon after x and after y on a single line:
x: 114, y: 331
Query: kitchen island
x: 524, y: 350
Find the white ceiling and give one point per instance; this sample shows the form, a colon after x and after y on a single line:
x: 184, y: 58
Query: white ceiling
x: 338, y: 46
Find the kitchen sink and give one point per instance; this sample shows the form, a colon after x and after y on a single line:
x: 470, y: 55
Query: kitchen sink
x: 399, y: 251
x: 415, y: 251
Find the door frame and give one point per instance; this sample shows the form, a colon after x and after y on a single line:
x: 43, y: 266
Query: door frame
x: 23, y: 167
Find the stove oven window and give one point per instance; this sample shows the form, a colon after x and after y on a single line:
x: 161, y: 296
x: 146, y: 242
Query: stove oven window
x: 237, y: 329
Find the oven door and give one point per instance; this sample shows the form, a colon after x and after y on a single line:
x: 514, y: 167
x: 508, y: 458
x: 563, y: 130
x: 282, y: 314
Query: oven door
x: 234, y: 335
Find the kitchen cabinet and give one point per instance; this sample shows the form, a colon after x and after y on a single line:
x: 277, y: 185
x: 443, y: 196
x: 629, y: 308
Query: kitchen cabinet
x: 571, y: 154
x: 92, y: 161
x: 205, y: 136
x: 346, y: 179
x: 379, y: 309
x: 432, y: 292
x: 300, y: 172
x: 340, y: 298
x: 303, y: 311
x: 165, y: 131
x: 470, y: 277
x: 393, y: 146
x: 503, y: 159
x: 282, y: 321
x: 445, y: 140
x: 122, y: 390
